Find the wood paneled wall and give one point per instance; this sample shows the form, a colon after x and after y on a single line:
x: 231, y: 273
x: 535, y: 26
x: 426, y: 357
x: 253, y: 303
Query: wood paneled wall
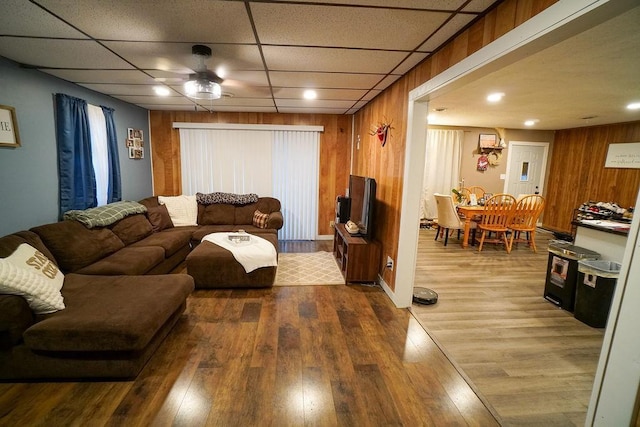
x: 386, y: 164
x: 577, y: 173
x: 335, y: 151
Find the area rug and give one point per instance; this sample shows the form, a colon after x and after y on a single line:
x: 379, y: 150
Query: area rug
x: 305, y: 269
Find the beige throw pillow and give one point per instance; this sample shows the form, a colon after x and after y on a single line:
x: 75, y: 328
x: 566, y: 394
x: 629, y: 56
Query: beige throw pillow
x: 28, y: 273
x: 183, y: 210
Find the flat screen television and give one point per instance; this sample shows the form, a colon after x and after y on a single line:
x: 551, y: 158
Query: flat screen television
x: 362, y: 192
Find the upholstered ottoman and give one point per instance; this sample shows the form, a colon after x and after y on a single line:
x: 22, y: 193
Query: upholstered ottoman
x: 213, y: 266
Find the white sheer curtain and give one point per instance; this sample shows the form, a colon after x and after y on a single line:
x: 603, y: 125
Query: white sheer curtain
x: 442, y: 167
x: 279, y: 163
x: 231, y: 161
x: 295, y: 182
x: 99, y: 151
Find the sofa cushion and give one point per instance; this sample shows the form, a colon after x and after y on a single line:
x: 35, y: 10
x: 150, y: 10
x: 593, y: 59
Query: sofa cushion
x: 15, y: 318
x: 9, y: 243
x: 110, y: 313
x: 159, y: 218
x: 129, y: 261
x: 216, y: 214
x: 75, y: 246
x: 171, y: 241
x: 244, y: 214
x: 132, y: 228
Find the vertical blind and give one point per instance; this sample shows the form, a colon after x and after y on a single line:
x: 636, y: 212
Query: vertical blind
x: 281, y: 164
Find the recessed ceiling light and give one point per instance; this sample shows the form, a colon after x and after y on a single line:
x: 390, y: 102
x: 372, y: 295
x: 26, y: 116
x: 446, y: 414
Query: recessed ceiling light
x: 310, y: 94
x: 531, y: 122
x: 161, y: 91
x: 634, y: 106
x: 495, y: 97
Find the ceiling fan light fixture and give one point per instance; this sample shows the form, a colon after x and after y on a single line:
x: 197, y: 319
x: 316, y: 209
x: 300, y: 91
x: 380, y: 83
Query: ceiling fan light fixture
x: 203, y: 89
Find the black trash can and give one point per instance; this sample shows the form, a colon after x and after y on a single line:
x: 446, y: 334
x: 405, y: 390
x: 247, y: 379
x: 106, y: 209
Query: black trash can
x: 562, y: 272
x: 594, y: 291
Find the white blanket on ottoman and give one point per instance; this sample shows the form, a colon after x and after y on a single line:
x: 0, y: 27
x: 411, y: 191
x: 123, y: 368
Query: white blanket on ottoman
x: 256, y: 253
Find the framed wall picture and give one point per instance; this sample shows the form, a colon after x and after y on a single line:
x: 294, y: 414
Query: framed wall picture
x: 9, y: 135
x: 488, y: 140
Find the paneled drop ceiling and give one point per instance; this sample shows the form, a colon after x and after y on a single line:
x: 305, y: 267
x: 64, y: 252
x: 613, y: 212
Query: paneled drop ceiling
x: 268, y: 52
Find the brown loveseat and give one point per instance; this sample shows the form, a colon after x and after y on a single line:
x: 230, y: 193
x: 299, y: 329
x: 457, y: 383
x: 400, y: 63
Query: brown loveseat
x: 120, y: 301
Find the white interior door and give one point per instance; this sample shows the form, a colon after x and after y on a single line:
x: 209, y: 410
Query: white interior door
x: 526, y: 167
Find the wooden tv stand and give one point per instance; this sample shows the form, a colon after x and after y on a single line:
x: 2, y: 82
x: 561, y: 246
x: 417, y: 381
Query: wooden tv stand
x: 358, y: 258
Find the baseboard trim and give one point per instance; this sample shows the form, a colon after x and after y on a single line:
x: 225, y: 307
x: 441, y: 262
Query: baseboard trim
x: 324, y: 237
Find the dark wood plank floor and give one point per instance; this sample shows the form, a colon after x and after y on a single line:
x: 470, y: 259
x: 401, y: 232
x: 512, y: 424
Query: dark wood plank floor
x: 309, y: 355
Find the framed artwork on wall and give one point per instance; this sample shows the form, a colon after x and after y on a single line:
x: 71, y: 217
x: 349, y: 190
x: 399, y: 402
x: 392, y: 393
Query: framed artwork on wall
x: 488, y: 140
x: 9, y: 135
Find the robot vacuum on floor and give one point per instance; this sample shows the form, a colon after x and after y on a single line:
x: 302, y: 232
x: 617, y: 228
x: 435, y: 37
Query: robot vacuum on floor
x: 424, y: 296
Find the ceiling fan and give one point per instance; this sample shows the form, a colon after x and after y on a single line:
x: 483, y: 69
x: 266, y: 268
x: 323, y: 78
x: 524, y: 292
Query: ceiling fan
x: 203, y: 83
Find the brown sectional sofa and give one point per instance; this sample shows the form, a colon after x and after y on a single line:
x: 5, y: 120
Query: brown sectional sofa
x: 120, y: 301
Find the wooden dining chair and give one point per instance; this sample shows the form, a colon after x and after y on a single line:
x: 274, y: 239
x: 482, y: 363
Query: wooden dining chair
x: 496, y: 218
x: 448, y: 218
x: 525, y: 219
x: 477, y: 190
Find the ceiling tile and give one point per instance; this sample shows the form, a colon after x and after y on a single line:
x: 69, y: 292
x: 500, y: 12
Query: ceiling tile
x: 298, y: 110
x: 407, y: 4
x: 387, y: 81
x: 178, y: 57
x: 413, y: 60
x: 154, y: 100
x: 315, y: 103
x: 310, y: 25
x: 121, y: 89
x: 184, y: 20
x: 450, y: 28
x: 478, y: 6
x: 324, y: 80
x: 21, y: 18
x: 334, y: 94
x: 327, y: 59
x: 59, y: 53
x: 243, y: 109
x: 103, y: 76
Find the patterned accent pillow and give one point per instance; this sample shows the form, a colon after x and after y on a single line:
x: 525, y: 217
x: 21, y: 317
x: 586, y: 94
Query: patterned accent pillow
x: 227, y: 198
x: 30, y: 274
x: 260, y: 219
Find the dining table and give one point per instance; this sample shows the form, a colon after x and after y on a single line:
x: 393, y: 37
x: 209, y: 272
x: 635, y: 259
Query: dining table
x: 468, y: 212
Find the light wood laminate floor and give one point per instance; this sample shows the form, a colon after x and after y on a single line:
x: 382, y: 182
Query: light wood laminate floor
x: 532, y: 362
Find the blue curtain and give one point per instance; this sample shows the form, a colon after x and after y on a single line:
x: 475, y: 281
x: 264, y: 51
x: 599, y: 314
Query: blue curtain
x: 77, y: 180
x: 115, y: 185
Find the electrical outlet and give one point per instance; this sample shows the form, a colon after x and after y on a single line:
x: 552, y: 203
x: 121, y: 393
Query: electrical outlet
x: 389, y: 263
x: 332, y: 224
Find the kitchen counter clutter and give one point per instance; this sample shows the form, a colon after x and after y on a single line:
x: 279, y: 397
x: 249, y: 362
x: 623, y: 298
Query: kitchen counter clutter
x: 603, y: 227
x: 605, y: 216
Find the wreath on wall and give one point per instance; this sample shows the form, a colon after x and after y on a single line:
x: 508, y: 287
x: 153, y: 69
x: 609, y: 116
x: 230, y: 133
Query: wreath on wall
x: 494, y: 158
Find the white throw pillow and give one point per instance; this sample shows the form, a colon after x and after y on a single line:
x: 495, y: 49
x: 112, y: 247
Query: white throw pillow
x: 183, y: 210
x: 29, y: 258
x: 41, y: 291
